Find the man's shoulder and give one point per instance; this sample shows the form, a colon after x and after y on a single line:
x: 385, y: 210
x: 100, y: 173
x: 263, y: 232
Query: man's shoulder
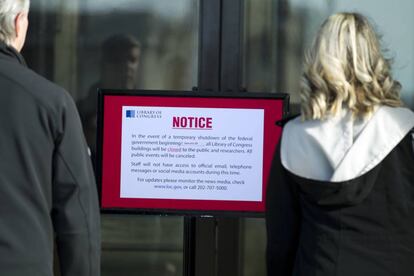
x: 34, y: 86
x: 27, y: 78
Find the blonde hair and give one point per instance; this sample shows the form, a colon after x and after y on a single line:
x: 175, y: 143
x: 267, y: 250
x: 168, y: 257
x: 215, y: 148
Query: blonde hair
x: 345, y: 67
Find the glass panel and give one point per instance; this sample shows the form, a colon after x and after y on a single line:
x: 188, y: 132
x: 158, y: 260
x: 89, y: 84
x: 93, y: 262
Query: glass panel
x: 276, y: 34
x: 259, y: 42
x: 254, y: 247
x: 142, y: 44
x: 146, y: 244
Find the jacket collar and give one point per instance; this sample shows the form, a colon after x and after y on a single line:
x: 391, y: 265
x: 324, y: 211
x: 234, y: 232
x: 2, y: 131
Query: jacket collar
x: 9, y: 53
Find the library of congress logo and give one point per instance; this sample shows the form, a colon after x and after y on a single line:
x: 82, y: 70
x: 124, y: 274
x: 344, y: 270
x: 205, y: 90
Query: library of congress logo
x: 143, y: 114
x: 130, y: 113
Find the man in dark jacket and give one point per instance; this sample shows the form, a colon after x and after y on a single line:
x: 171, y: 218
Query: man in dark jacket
x: 47, y: 190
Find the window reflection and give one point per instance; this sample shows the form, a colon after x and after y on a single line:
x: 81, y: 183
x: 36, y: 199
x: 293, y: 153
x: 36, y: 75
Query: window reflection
x: 123, y: 44
x: 118, y: 69
x: 254, y: 247
x: 135, y: 245
x: 167, y: 31
x: 276, y: 32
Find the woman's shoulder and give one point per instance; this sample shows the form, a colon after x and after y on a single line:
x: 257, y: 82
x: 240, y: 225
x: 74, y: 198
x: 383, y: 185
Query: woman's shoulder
x: 338, y: 149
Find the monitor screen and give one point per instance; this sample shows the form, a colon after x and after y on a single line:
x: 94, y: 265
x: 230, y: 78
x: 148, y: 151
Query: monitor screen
x: 186, y: 152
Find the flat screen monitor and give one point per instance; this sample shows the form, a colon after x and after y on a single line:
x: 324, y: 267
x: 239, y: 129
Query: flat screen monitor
x: 190, y: 153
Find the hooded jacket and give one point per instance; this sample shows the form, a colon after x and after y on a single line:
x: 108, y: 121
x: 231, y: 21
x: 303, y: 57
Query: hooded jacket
x: 340, y: 197
x: 47, y: 187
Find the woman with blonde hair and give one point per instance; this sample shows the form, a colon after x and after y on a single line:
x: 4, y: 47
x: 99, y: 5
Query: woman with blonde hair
x: 340, y: 200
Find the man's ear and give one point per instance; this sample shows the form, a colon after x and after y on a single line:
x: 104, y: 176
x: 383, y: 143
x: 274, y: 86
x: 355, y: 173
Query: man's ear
x: 18, y: 23
x: 20, y: 26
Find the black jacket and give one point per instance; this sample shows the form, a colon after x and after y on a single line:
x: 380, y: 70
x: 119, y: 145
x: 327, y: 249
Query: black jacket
x: 47, y: 187
x: 359, y: 227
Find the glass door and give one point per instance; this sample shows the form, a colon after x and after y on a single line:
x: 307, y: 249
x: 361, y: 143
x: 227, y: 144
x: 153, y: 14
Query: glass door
x: 124, y: 44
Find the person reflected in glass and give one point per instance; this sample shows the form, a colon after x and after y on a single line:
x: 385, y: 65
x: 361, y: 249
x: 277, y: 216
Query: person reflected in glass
x: 340, y: 199
x: 120, y: 60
